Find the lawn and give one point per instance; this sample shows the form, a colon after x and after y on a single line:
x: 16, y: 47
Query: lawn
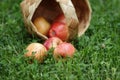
x: 98, y: 50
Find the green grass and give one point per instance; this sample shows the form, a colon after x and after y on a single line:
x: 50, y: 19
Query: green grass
x: 97, y: 56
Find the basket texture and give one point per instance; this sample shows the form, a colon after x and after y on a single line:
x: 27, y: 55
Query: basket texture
x: 77, y: 14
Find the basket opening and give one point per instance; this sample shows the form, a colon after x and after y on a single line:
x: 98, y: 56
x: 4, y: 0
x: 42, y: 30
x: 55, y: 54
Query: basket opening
x: 48, y: 9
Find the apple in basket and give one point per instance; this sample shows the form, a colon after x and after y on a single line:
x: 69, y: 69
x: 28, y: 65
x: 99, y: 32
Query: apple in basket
x: 42, y: 25
x: 60, y: 30
x: 60, y: 18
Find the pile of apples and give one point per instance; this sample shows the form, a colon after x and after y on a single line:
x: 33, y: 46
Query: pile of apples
x: 57, y: 33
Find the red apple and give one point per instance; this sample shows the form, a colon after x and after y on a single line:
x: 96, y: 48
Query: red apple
x: 64, y: 50
x: 59, y: 30
x: 42, y: 25
x: 36, y: 51
x: 52, y: 42
x: 60, y: 18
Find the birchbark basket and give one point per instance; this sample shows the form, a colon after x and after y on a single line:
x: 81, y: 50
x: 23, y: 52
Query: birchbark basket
x: 77, y: 14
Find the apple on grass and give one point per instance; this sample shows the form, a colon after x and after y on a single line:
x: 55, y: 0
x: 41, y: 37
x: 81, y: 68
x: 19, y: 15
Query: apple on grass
x: 36, y: 51
x: 52, y: 42
x: 64, y: 50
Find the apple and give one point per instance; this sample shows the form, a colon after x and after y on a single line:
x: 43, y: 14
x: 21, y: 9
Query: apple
x: 60, y: 18
x: 64, y: 50
x: 42, y: 25
x: 37, y: 51
x: 52, y: 42
x: 59, y: 30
